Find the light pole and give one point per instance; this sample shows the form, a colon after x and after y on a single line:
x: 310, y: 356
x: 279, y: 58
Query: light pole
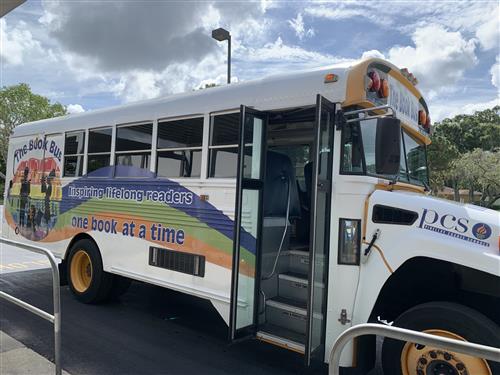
x: 220, y: 35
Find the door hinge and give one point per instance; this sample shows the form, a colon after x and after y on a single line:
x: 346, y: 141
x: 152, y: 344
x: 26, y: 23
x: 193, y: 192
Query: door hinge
x: 343, y: 317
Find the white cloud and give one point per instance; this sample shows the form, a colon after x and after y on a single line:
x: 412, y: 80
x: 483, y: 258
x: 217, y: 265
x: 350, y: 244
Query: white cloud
x: 495, y: 74
x: 297, y: 25
x: 488, y: 33
x: 15, y: 43
x: 439, y: 111
x: 75, y: 108
x: 407, y: 16
x: 342, y: 11
x: 138, y: 85
x: 372, y: 53
x: 278, y: 51
x: 100, y: 73
x: 439, y: 57
x: 176, y: 78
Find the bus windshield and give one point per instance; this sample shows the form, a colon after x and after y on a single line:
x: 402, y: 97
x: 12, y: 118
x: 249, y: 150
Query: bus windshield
x: 359, y: 154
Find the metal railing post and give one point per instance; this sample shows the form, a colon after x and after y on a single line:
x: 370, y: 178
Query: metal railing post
x: 56, y: 294
x: 402, y: 334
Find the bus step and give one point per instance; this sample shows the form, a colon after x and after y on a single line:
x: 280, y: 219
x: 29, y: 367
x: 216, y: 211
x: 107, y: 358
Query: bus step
x: 287, y: 313
x: 282, y: 337
x: 293, y: 285
x: 298, y: 261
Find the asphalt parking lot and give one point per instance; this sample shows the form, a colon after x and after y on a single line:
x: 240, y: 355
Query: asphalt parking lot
x: 151, y: 330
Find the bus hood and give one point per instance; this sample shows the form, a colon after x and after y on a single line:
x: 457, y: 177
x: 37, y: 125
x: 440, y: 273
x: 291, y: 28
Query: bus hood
x: 443, y: 229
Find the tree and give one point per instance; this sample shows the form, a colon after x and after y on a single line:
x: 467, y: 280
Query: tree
x: 441, y: 153
x: 19, y: 105
x: 468, y: 132
x: 479, y: 170
x: 465, y: 153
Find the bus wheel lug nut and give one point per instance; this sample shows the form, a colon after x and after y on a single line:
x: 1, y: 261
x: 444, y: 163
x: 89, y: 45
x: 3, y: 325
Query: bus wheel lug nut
x: 460, y: 366
x: 433, y: 355
x: 447, y: 356
x: 423, y: 361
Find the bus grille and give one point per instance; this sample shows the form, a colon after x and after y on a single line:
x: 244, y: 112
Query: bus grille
x: 192, y: 264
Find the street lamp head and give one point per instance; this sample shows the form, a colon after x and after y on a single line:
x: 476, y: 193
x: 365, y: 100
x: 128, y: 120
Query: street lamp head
x: 221, y: 34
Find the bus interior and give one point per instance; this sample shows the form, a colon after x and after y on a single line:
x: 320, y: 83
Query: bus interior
x: 281, y: 316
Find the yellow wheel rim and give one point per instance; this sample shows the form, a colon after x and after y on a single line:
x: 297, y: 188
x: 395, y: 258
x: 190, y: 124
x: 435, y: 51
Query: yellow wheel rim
x: 81, y: 271
x: 427, y: 360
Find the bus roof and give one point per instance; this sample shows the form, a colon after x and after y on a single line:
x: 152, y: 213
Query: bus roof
x: 274, y: 92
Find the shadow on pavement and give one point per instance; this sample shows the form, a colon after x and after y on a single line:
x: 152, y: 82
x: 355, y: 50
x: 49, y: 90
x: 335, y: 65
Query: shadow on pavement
x: 151, y: 330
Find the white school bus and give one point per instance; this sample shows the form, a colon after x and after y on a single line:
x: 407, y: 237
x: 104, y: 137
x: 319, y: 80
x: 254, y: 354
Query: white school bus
x: 296, y: 204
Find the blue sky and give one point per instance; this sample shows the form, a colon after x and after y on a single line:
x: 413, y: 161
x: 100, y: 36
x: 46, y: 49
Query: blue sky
x: 89, y: 55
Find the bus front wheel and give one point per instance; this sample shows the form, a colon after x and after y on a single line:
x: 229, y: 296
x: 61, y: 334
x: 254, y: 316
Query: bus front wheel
x: 87, y: 279
x: 447, y: 320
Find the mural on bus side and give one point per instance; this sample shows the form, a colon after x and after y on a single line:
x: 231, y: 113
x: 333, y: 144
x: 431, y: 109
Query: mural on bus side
x: 34, y: 192
x: 162, y: 212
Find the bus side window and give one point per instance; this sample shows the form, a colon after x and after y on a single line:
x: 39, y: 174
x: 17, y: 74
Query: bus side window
x: 179, y: 148
x: 352, y: 150
x: 99, y: 149
x: 74, y: 143
x: 223, y: 147
x: 133, y: 150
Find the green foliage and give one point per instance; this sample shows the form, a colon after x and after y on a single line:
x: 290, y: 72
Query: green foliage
x: 440, y: 154
x: 19, y: 105
x: 468, y: 132
x: 465, y: 153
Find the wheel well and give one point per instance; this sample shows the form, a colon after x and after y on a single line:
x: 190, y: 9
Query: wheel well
x: 78, y: 237
x: 422, y: 279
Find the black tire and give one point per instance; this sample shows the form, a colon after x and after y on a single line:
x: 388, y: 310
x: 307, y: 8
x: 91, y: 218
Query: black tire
x: 457, y: 319
x: 119, y: 287
x: 100, y: 281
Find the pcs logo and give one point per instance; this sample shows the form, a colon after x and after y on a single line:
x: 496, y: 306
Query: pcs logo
x: 457, y: 227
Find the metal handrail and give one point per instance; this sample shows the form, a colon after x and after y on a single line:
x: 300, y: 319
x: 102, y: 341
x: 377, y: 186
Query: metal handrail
x: 402, y: 334
x: 370, y: 109
x: 56, y: 292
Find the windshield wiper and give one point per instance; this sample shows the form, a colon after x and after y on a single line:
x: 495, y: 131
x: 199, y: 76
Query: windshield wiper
x: 426, y: 186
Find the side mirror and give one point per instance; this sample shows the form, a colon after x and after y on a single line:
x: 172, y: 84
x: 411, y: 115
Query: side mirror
x: 388, y: 146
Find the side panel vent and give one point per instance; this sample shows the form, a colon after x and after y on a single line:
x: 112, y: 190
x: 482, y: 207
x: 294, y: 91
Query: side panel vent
x: 192, y: 264
x: 393, y: 215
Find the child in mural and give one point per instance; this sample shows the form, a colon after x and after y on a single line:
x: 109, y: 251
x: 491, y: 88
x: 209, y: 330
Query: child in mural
x: 24, y: 195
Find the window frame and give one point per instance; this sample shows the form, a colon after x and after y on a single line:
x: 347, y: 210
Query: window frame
x: 116, y: 153
x: 403, y: 154
x: 211, y: 147
x: 362, y: 149
x: 174, y: 149
x: 424, y: 146
x: 110, y: 153
x: 85, y: 142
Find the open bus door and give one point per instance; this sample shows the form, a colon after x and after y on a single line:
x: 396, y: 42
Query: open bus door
x: 319, y: 243
x: 248, y: 223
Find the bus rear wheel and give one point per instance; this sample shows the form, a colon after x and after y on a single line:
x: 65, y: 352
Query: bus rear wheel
x: 447, y: 320
x: 86, y: 277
